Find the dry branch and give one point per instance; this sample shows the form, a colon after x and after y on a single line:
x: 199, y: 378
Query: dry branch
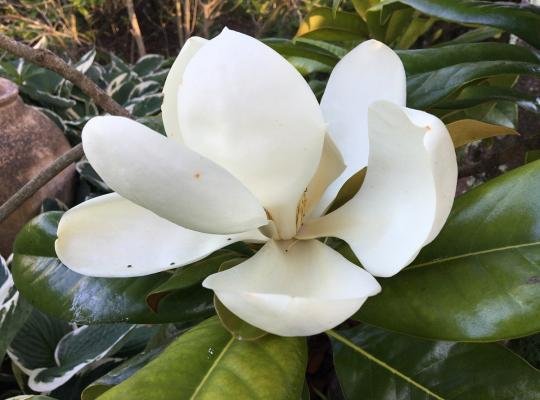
x: 39, y: 181
x: 47, y: 59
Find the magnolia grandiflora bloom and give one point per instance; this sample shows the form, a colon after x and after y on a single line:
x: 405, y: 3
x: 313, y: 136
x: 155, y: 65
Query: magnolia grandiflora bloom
x: 251, y: 156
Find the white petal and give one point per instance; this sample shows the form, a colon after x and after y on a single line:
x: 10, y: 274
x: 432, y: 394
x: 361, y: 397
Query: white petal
x: 407, y: 193
x: 169, y: 108
x: 168, y: 178
x: 330, y: 167
x: 246, y: 108
x: 110, y: 236
x: 294, y: 288
x: 369, y: 72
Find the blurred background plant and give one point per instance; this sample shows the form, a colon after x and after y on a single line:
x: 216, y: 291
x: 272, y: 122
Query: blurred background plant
x: 162, y: 26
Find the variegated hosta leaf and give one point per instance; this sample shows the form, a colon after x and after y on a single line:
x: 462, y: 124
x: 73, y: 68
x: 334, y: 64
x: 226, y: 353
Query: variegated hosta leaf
x: 51, y: 353
x: 13, y: 308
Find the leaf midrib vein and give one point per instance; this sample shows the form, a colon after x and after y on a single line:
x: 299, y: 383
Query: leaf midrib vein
x: 214, y: 365
x: 471, y: 254
x: 382, y: 364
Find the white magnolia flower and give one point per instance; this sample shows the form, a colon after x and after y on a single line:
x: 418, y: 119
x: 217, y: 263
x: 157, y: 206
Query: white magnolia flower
x: 250, y: 155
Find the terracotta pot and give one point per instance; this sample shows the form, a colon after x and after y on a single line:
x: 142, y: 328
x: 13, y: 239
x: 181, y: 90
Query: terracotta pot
x: 29, y: 142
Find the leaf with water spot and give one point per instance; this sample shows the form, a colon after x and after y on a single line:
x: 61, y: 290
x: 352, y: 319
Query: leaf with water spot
x: 208, y: 363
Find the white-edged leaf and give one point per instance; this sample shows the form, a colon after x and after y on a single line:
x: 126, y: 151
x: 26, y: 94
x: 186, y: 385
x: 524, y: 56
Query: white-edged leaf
x: 13, y: 309
x: 50, y: 353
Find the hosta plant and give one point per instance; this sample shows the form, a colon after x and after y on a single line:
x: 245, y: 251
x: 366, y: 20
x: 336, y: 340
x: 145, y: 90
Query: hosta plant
x: 135, y: 86
x: 300, y: 218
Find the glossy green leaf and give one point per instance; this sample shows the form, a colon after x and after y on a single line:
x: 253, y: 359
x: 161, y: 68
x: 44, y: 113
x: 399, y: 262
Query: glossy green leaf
x: 336, y: 51
x: 428, y: 88
x: 188, y: 277
x: 474, y: 35
x: 322, y: 24
x: 426, y: 60
x: 479, y: 280
x: 520, y: 20
x: 374, y: 364
x: 208, y: 363
x: 53, y: 288
x: 477, y: 94
x: 308, y: 66
x: 493, y: 112
x: 14, y: 310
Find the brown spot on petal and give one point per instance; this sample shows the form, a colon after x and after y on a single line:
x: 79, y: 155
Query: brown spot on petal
x: 197, y: 175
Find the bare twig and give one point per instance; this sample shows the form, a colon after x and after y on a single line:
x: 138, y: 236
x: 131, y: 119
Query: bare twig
x: 179, y: 24
x: 47, y: 59
x: 135, y: 29
x: 39, y: 181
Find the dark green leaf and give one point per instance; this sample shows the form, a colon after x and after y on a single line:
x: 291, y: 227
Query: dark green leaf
x: 308, y: 66
x: 428, y: 88
x: 426, y: 60
x: 189, y: 276
x: 520, y: 20
x: 53, y: 288
x: 479, y: 280
x: 474, y: 35
x: 374, y: 364
x: 477, y: 94
x: 298, y: 48
x: 207, y: 362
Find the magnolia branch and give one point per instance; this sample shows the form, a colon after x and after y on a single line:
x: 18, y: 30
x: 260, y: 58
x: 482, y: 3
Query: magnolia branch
x: 40, y: 180
x: 47, y: 59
